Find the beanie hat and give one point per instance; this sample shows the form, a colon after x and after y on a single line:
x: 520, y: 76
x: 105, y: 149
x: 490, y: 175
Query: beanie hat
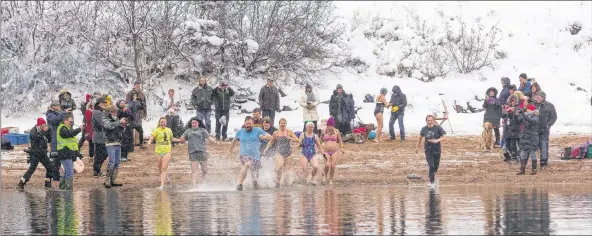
x: 88, y: 97
x: 40, y: 121
x: 383, y: 91
x: 137, y: 82
x: 530, y: 107
x: 542, y: 94
x: 339, y: 86
x: 331, y: 122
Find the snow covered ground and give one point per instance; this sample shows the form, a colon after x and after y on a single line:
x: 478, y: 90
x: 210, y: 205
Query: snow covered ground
x: 535, y: 39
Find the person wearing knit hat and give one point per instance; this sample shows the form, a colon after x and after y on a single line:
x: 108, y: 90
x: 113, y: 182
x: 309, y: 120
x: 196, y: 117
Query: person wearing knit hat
x: 529, y: 137
x: 37, y: 153
x: 511, y: 129
x: 378, y: 112
x: 310, y: 142
x: 337, y: 109
x: 547, y: 118
x: 333, y: 149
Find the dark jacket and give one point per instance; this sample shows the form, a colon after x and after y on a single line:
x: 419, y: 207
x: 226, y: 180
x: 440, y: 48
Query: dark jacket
x: 141, y: 108
x: 66, y: 104
x: 221, y: 98
x: 54, y: 119
x: 529, y: 133
x: 127, y: 139
x: 201, y: 97
x: 112, y: 128
x: 349, y: 112
x: 97, y: 124
x: 39, y: 141
x: 532, y: 94
x: 66, y: 153
x: 269, y: 98
x: 547, y: 117
x: 511, y: 124
x: 493, y: 110
x: 335, y: 103
x: 398, y: 98
x: 134, y: 111
x: 505, y: 93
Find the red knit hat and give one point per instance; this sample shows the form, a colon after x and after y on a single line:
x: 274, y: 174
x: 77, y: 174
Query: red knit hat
x: 88, y: 97
x: 530, y: 107
x: 40, y: 121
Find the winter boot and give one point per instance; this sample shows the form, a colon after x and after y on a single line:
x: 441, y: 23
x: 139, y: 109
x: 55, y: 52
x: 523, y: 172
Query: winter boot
x: 22, y: 183
x: 107, y: 182
x: 68, y: 184
x: 522, y: 166
x: 114, y: 178
x: 534, y: 167
x: 543, y: 164
x: 507, y: 157
x: 142, y: 145
x: 123, y: 159
x: 48, y: 183
x: 62, y: 183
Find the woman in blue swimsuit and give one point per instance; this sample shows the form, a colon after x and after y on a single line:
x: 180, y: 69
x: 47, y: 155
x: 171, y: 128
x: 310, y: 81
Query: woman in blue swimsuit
x: 310, y: 142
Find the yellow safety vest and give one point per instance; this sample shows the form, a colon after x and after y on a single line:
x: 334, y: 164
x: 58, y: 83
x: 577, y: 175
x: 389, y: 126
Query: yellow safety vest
x: 70, y: 143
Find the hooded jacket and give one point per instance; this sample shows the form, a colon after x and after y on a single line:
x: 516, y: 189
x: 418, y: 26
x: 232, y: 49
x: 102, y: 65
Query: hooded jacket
x: 54, y: 119
x: 66, y: 104
x: 39, y: 140
x: 335, y: 103
x: 113, y: 130
x: 98, y: 115
x: 269, y: 98
x: 127, y: 139
x: 140, y: 104
x: 312, y: 113
x: 511, y: 124
x: 505, y: 93
x: 398, y: 98
x: 201, y: 97
x: 547, y: 117
x: 529, y: 135
x: 493, y: 108
x: 532, y: 94
x: 222, y: 97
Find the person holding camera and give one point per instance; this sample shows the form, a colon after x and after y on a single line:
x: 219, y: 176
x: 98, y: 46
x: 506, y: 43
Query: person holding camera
x: 137, y: 102
x: 221, y: 97
x: 113, y: 129
x: 37, y: 152
x: 171, y: 107
x: 67, y: 147
x: 54, y: 117
x: 309, y: 101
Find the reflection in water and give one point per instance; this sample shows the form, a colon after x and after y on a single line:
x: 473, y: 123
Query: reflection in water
x: 330, y: 211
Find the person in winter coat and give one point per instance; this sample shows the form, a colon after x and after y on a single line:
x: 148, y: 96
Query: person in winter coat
x: 397, y: 103
x: 66, y: 101
x: 67, y: 150
x: 505, y: 93
x: 201, y: 98
x: 529, y: 137
x: 54, y: 117
x: 127, y: 139
x: 535, y: 89
x: 171, y: 106
x: 338, y: 110
x: 493, y: 112
x: 136, y: 99
x: 349, y: 114
x: 547, y: 117
x: 88, y: 131
x: 511, y: 128
x: 269, y: 100
x: 113, y: 129
x: 83, y: 107
x: 87, y: 98
x: 309, y: 100
x: 524, y: 84
x: 40, y: 137
x: 98, y: 115
x: 221, y: 96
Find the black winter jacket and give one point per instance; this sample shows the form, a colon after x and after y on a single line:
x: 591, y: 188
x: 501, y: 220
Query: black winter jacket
x: 505, y: 93
x: 511, y: 124
x: 39, y: 141
x: 269, y: 98
x: 547, y: 117
x: 221, y: 98
x: 66, y: 153
x: 398, y: 98
x: 201, y: 97
x: 493, y: 111
x: 529, y: 135
x: 334, y: 103
x: 113, y: 129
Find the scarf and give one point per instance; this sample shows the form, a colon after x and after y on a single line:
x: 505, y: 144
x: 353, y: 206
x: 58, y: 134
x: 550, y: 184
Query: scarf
x: 310, y: 97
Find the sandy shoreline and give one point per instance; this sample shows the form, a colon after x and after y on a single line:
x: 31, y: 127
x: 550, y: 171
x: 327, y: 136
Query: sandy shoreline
x: 372, y: 164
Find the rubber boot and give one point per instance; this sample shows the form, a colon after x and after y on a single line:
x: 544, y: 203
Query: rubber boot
x: 507, y: 157
x: 68, y: 184
x: 534, y: 167
x: 48, y: 183
x: 107, y: 182
x: 22, y: 183
x: 114, y: 178
x: 62, y: 183
x: 522, y: 166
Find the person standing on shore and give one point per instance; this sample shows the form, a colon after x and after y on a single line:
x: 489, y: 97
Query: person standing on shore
x: 201, y: 98
x: 222, y: 96
x: 379, y: 111
x: 433, y: 135
x: 397, y: 103
x: 137, y: 102
x: 269, y: 100
x: 249, y: 151
x: 163, y: 136
x: 198, y: 156
x: 529, y: 137
x: 54, y: 117
x: 67, y: 147
x: 337, y: 107
x: 493, y: 112
x: 98, y: 115
x: 83, y: 108
x: 524, y: 84
x: 127, y: 139
x: 511, y: 129
x: 40, y: 137
x: 309, y: 102
x: 547, y: 118
x: 113, y: 135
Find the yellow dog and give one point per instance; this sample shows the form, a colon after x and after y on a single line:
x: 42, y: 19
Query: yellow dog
x: 486, y: 141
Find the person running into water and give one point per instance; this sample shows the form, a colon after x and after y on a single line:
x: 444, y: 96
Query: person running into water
x: 263, y: 143
x: 249, y: 151
x: 196, y: 138
x: 331, y: 139
x: 310, y: 142
x: 378, y: 112
x: 163, y: 136
x: 283, y: 138
x: 433, y: 135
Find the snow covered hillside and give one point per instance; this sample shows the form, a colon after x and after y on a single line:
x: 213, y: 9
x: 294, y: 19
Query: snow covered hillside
x: 393, y: 43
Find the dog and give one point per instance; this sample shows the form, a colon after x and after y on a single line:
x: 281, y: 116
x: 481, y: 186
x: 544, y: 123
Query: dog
x: 486, y: 141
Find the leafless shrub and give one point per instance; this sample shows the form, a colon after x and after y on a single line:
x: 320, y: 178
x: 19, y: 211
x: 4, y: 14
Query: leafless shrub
x: 574, y: 27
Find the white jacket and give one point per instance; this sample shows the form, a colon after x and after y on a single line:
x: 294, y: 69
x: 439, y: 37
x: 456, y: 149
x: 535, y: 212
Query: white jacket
x: 167, y: 101
x: 310, y: 114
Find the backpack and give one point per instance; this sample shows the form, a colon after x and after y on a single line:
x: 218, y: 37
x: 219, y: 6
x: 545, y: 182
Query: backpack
x: 6, y: 145
x: 358, y: 138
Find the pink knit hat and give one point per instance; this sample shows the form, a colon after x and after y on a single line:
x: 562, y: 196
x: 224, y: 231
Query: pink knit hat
x: 331, y: 122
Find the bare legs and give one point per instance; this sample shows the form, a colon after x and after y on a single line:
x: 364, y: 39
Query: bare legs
x: 379, y: 121
x: 330, y: 166
x: 195, y: 178
x: 315, y: 166
x: 163, y: 165
x: 280, y: 167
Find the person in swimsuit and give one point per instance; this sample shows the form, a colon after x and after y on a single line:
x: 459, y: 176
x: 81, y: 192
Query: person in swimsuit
x: 310, y: 142
x: 282, y: 139
x: 196, y: 137
x: 263, y: 143
x: 331, y: 138
x: 163, y: 136
x: 249, y: 151
x: 378, y: 111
